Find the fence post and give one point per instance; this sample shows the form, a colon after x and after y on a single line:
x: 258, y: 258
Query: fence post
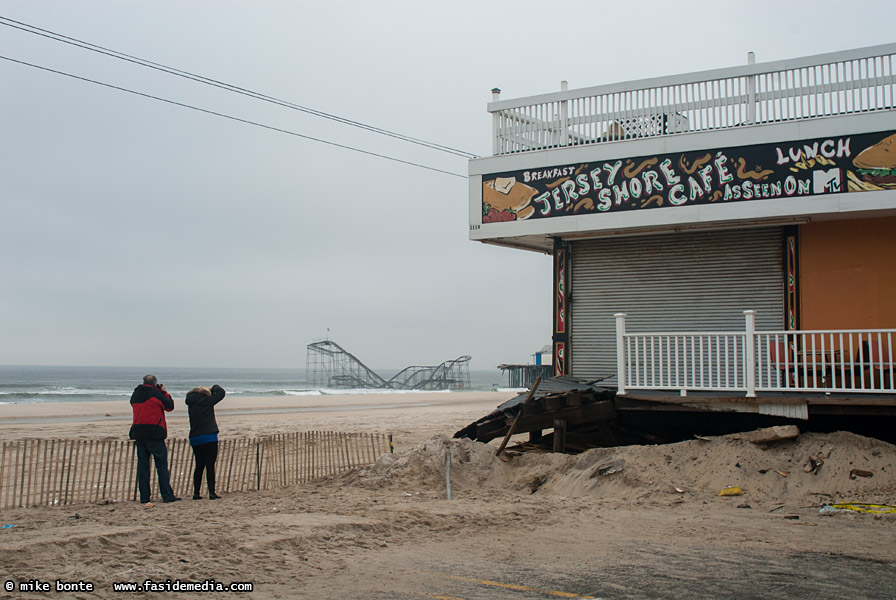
x: 448, y: 474
x: 750, y: 353
x: 257, y: 465
x: 620, y: 353
x: 751, y: 91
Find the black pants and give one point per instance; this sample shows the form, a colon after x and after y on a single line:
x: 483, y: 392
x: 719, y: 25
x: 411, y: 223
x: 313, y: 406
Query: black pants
x: 205, y: 455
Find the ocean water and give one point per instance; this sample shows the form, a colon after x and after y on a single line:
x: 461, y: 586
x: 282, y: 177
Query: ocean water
x: 33, y: 384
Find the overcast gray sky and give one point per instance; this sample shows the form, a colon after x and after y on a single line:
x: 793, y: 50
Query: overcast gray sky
x: 139, y: 233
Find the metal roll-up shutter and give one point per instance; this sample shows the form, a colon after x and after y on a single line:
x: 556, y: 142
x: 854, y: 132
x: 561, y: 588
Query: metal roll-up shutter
x: 694, y: 281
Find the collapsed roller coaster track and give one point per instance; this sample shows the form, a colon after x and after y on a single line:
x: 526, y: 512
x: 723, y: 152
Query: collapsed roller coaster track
x: 328, y: 365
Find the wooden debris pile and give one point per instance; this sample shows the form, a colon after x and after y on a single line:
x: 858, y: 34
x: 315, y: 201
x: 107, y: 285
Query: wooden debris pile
x: 580, y: 419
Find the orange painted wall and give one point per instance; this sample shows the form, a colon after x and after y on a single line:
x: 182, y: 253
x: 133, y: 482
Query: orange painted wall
x: 847, y: 272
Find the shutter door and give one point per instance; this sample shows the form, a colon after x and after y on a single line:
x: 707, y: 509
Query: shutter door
x: 694, y: 281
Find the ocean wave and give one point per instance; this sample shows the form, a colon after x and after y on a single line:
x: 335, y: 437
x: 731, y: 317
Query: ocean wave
x: 349, y: 391
x: 356, y: 391
x: 66, y: 392
x: 255, y: 392
x: 60, y: 395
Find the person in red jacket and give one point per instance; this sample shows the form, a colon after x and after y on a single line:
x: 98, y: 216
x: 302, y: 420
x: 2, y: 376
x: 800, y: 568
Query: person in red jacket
x: 150, y: 402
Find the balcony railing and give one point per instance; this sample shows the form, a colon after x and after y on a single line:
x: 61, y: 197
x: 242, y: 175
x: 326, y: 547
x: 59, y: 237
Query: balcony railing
x: 842, y: 83
x: 750, y: 361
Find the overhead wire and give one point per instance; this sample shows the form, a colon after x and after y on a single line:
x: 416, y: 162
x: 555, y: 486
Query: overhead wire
x: 231, y: 117
x: 225, y: 86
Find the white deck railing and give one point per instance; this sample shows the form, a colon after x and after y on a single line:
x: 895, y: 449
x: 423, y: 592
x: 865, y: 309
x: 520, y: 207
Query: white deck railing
x: 750, y: 361
x: 841, y: 83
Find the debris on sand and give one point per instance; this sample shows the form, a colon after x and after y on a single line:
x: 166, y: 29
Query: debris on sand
x: 767, y: 435
x: 770, y: 474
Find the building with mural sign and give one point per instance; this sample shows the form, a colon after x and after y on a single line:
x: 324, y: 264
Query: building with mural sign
x: 729, y: 231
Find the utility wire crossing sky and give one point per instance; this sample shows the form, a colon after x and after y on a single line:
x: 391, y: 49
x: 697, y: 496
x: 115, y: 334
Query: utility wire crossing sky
x: 232, y: 88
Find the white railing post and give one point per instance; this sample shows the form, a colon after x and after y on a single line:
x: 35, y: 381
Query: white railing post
x: 564, y: 116
x: 620, y: 352
x: 750, y: 353
x: 496, y: 142
x: 751, y: 91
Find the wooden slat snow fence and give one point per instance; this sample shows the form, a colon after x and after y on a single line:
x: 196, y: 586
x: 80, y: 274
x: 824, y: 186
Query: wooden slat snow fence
x: 38, y: 472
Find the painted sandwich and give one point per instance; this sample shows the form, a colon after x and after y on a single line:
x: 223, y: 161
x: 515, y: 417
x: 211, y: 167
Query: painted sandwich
x: 506, y: 199
x: 876, y: 165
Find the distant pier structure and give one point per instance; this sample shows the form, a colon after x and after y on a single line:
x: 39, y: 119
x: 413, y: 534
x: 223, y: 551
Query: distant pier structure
x: 328, y: 365
x: 522, y: 376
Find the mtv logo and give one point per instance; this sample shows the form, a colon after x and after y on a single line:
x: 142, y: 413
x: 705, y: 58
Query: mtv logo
x: 826, y: 182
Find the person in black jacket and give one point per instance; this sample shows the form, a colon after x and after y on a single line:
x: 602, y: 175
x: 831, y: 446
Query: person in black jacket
x: 204, y: 435
x: 150, y: 402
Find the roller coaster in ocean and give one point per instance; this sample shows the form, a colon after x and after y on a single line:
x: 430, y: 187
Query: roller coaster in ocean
x: 328, y: 365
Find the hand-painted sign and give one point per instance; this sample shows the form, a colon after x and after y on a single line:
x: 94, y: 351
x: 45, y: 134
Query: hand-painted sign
x: 814, y: 167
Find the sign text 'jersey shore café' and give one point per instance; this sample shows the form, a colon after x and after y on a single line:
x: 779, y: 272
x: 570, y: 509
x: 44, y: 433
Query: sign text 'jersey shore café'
x: 820, y: 166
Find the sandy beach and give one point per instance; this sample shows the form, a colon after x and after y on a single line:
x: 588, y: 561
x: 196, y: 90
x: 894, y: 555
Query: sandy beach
x: 410, y: 417
x: 632, y: 522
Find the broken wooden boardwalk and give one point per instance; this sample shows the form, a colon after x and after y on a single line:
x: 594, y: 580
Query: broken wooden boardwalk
x: 578, y: 417
x: 581, y: 415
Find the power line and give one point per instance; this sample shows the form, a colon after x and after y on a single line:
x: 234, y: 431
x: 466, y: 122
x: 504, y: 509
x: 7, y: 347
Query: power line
x: 231, y: 117
x: 223, y: 85
x: 226, y: 86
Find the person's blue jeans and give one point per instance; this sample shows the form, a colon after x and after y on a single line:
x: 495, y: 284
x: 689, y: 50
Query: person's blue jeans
x: 159, y: 452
